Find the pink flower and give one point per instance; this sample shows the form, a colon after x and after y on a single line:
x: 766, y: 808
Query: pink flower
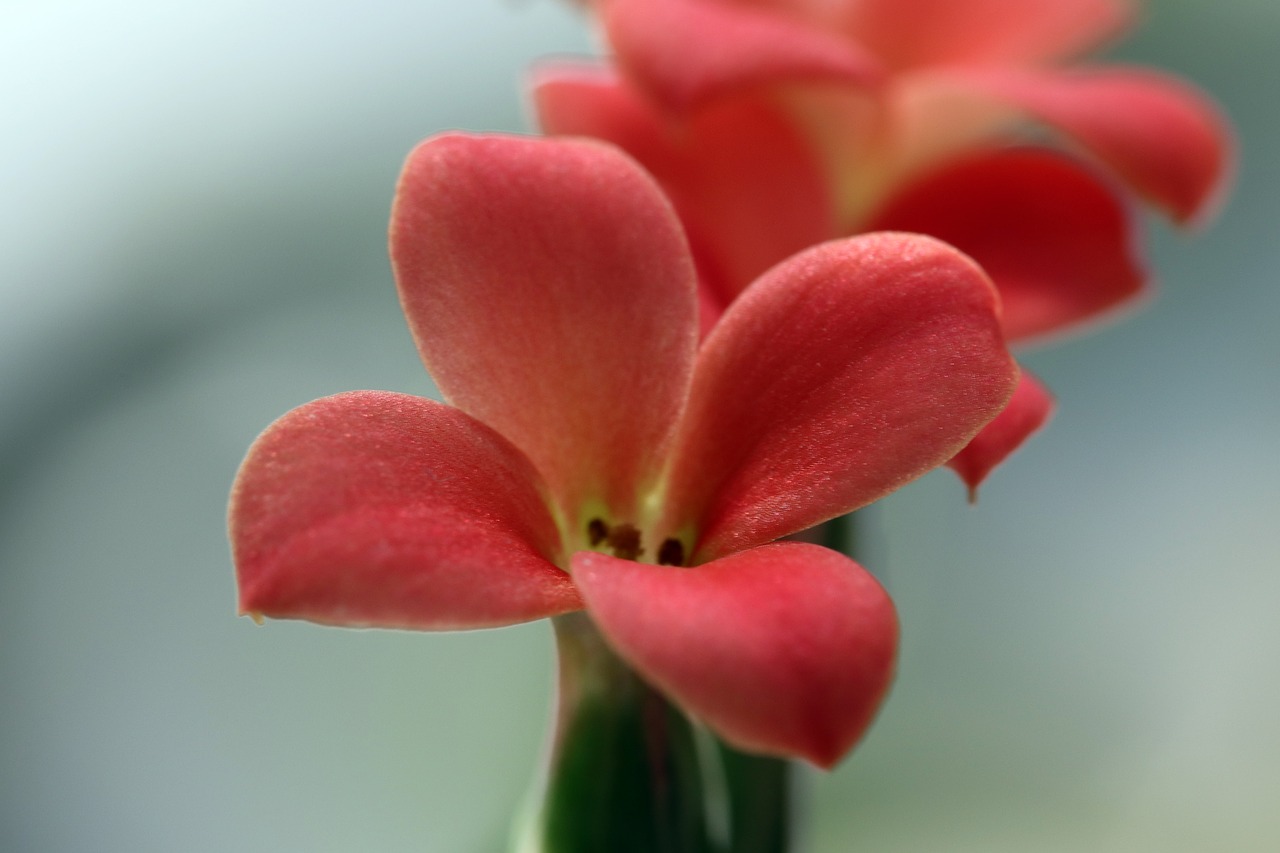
x: 778, y: 124
x: 596, y: 456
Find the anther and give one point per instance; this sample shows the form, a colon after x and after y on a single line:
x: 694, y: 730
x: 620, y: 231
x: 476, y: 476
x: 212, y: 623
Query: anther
x: 597, y: 531
x: 624, y: 541
x: 671, y: 553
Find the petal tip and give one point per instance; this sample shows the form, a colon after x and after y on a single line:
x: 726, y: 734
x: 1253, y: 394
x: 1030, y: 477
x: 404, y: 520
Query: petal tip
x: 662, y: 46
x: 1029, y: 409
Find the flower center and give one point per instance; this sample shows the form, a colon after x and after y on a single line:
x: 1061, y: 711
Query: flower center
x: 625, y: 541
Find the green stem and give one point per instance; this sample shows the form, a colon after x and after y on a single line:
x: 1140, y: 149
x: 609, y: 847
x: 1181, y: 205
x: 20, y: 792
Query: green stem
x: 840, y: 534
x: 623, y: 773
x: 759, y: 789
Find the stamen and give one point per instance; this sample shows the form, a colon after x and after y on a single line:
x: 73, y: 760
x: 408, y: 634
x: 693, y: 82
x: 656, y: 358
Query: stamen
x: 671, y: 553
x: 624, y: 541
x: 597, y: 531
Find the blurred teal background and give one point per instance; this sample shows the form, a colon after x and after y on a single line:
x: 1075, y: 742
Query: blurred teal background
x: 192, y: 241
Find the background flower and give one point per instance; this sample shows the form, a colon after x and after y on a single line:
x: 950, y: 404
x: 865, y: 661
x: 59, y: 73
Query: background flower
x: 865, y: 115
x: 195, y: 238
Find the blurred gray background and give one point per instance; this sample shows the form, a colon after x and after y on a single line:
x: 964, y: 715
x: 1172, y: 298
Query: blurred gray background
x: 193, y: 201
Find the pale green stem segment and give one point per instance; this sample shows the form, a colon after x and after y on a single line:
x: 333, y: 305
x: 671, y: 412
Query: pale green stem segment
x: 761, y: 801
x: 623, y: 771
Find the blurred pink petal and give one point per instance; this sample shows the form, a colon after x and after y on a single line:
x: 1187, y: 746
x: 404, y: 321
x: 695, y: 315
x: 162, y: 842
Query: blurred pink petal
x: 745, y: 183
x: 913, y: 33
x: 684, y: 53
x: 1160, y: 134
x: 1052, y: 236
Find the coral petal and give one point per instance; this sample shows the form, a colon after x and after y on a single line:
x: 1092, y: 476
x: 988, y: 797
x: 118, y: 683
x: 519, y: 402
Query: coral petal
x: 1053, y: 237
x: 1029, y: 409
x: 913, y: 33
x: 380, y: 509
x: 785, y: 649
x: 551, y: 293
x: 844, y: 373
x: 686, y: 53
x: 1158, y: 133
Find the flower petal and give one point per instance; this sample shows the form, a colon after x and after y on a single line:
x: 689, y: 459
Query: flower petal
x: 738, y: 227
x: 785, y: 649
x: 380, y: 509
x: 1053, y: 237
x: 1160, y: 134
x: 844, y: 373
x: 913, y: 33
x: 551, y: 294
x: 1029, y: 409
x: 685, y: 53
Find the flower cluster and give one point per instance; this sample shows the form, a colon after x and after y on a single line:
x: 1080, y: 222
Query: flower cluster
x: 662, y: 363
x: 776, y: 124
